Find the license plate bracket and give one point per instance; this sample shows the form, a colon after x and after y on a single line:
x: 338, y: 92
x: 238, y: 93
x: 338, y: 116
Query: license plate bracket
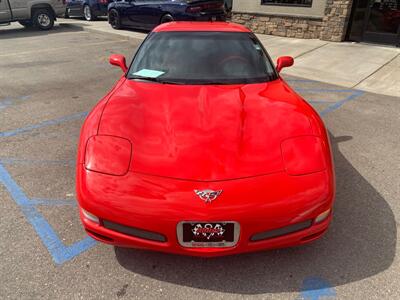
x: 214, y: 234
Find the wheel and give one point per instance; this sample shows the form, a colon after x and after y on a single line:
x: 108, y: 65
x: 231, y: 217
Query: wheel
x: 166, y: 18
x: 88, y: 14
x: 26, y: 23
x: 43, y: 19
x: 114, y: 19
x: 66, y: 14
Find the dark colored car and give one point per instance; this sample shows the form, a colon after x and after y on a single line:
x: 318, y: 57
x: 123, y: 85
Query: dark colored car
x: 147, y: 14
x: 89, y: 9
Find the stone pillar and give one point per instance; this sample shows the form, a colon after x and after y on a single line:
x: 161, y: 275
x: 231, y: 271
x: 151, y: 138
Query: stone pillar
x: 336, y: 20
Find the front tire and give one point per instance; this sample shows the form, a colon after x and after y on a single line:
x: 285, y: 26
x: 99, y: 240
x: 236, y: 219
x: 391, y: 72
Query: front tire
x: 88, y: 13
x: 166, y: 18
x: 114, y: 19
x: 43, y: 19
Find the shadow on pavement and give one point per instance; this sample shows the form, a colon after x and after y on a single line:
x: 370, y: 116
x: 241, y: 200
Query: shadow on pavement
x: 22, y: 32
x: 360, y: 243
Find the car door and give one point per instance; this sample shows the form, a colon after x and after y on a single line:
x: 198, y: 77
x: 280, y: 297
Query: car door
x: 5, y: 12
x: 74, y: 7
x: 145, y: 13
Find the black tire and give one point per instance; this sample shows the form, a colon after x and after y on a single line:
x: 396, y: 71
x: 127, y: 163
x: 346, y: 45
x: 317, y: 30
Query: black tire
x: 88, y: 13
x: 43, y: 19
x: 166, y: 18
x: 26, y: 23
x: 114, y: 19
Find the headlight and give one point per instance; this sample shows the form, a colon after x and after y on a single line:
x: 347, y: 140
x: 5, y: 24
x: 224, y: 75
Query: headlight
x: 108, y: 154
x: 90, y: 216
x: 303, y: 155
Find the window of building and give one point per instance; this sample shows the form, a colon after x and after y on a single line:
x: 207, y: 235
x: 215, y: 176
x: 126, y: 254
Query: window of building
x: 306, y: 3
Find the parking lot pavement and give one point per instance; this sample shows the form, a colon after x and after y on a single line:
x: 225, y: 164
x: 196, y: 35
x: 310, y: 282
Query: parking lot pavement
x: 50, y: 80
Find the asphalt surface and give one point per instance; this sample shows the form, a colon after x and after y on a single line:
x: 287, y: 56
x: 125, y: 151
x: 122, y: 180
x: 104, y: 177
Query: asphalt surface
x: 49, y: 80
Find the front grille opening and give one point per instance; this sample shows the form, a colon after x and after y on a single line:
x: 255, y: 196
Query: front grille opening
x: 281, y: 231
x: 313, y: 236
x: 135, y: 232
x: 99, y: 236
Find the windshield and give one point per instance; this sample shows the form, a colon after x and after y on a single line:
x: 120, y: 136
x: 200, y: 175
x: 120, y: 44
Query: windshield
x: 202, y: 58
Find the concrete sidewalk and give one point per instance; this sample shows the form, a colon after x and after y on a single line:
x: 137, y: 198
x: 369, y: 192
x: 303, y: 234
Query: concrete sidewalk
x: 371, y: 68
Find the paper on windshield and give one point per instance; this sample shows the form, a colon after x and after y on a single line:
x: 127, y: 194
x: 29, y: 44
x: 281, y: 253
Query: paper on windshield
x: 149, y: 73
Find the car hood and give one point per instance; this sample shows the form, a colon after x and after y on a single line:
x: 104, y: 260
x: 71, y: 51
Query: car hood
x: 205, y: 133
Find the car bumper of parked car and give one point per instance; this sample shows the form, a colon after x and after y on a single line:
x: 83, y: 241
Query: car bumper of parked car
x: 205, y: 17
x: 143, y: 211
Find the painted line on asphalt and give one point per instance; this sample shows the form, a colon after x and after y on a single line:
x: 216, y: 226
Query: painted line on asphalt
x: 321, y: 101
x: 59, y: 252
x: 43, y: 124
x: 6, y: 102
x: 355, y: 94
x: 315, y: 288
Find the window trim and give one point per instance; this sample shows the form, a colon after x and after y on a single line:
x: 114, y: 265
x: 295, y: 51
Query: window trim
x: 263, y: 2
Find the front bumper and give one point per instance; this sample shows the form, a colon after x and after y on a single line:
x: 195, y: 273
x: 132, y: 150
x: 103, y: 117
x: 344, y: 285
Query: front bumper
x: 155, y: 204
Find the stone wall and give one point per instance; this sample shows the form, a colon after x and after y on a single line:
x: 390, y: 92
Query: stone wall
x: 331, y: 27
x: 290, y: 26
x: 336, y: 20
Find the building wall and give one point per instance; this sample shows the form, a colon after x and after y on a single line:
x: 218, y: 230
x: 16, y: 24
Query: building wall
x: 326, y: 19
x: 254, y: 6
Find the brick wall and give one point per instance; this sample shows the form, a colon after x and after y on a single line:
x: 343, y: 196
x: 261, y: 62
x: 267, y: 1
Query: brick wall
x: 331, y: 27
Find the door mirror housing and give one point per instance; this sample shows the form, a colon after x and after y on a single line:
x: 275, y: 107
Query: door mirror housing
x: 119, y: 60
x: 284, y: 62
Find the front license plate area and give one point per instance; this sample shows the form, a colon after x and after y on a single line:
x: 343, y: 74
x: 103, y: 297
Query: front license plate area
x: 208, y: 234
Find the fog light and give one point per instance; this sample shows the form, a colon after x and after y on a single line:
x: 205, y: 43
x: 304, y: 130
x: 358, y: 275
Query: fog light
x: 322, y: 216
x: 90, y: 216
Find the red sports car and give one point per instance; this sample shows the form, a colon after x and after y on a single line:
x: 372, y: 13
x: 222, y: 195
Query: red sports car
x: 201, y: 148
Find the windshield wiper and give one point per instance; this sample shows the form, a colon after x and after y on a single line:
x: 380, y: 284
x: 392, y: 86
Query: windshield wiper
x: 154, y: 79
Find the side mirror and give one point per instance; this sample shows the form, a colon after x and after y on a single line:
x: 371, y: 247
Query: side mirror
x: 284, y: 62
x: 119, y: 60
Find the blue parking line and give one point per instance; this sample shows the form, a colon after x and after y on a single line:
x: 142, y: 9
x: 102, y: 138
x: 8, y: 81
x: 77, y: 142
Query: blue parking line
x: 320, y: 101
x: 5, y: 103
x: 315, y: 288
x: 10, y: 101
x: 43, y: 124
x: 59, y: 252
x: 355, y: 94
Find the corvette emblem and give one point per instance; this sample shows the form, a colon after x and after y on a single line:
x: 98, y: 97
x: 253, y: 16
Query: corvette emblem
x: 208, y: 195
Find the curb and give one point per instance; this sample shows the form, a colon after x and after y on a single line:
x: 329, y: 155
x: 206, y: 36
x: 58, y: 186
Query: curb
x: 96, y: 30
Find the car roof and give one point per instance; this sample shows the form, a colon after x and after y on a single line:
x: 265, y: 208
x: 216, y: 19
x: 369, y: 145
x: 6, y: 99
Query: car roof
x: 201, y: 26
